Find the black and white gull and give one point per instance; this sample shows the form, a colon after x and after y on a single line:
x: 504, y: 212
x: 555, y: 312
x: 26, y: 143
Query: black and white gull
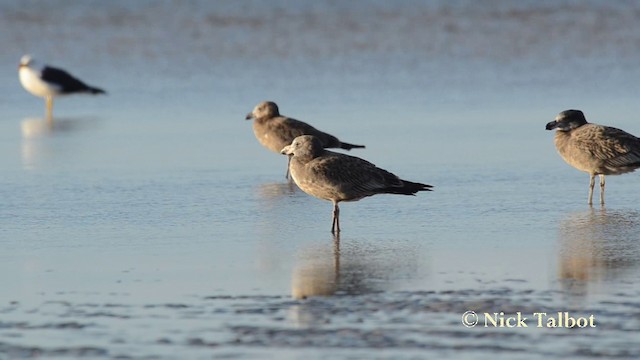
x: 49, y: 82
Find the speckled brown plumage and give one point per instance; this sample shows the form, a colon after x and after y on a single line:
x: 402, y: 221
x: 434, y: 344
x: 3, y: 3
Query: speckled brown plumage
x: 339, y: 177
x: 594, y: 149
x: 275, y: 131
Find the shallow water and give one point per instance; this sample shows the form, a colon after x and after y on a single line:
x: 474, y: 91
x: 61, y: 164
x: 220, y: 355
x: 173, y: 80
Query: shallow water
x: 149, y: 223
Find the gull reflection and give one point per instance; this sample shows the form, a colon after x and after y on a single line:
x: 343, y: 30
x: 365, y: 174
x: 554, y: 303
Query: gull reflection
x: 359, y: 268
x: 34, y: 127
x: 348, y: 267
x: 276, y: 202
x: 317, y: 271
x: 273, y: 191
x: 34, y: 130
x: 597, y: 246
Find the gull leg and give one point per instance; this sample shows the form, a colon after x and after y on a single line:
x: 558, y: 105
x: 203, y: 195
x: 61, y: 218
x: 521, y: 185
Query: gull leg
x: 601, y: 189
x: 49, y: 105
x: 286, y: 176
x: 335, y: 226
x: 592, y: 183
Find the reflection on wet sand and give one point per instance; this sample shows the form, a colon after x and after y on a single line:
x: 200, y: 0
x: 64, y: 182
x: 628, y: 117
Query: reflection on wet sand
x: 317, y: 271
x: 326, y: 270
x: 347, y: 267
x: 276, y: 201
x: 272, y: 191
x: 597, y: 245
x: 34, y: 129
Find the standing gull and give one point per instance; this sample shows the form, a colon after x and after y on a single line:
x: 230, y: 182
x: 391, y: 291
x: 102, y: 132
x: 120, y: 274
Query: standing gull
x: 339, y: 177
x: 594, y: 149
x: 275, y: 131
x: 49, y: 82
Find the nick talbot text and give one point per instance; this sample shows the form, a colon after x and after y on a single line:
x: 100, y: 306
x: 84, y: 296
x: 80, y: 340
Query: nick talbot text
x: 538, y: 319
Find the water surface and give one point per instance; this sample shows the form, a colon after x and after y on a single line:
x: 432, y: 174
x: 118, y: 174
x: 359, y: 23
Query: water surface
x: 149, y: 223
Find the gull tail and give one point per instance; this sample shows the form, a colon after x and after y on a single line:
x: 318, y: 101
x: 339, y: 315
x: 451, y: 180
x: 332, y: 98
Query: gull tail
x: 408, y: 188
x: 347, y: 146
x: 95, y: 90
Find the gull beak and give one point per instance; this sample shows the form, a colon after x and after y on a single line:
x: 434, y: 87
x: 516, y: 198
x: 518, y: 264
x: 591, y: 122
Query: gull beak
x: 552, y: 125
x: 249, y: 116
x: 287, y: 150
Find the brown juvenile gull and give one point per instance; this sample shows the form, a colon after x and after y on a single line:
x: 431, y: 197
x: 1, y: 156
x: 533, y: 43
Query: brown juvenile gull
x: 275, y: 131
x: 339, y: 177
x: 594, y: 149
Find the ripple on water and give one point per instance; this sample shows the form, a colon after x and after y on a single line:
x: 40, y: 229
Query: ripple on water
x: 428, y: 321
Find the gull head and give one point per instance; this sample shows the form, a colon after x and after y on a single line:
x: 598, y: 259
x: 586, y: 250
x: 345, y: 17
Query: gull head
x: 26, y: 60
x: 264, y: 110
x: 304, y: 146
x: 567, y: 120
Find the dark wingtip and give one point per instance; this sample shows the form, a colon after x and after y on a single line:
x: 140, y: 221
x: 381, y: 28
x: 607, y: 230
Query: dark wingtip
x: 96, y: 91
x: 416, y: 187
x: 348, y: 146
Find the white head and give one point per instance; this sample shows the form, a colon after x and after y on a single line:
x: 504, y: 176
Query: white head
x: 26, y: 60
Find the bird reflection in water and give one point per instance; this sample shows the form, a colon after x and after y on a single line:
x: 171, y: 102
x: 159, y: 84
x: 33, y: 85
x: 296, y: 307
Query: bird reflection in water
x: 348, y: 267
x: 35, y: 129
x: 597, y: 246
x: 317, y: 272
x: 352, y: 267
x: 273, y: 191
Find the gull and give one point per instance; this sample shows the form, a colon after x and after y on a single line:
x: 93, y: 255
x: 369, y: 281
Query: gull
x: 595, y: 149
x: 49, y: 82
x: 339, y: 177
x: 275, y: 131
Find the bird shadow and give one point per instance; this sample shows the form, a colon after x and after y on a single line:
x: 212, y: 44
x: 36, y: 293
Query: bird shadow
x: 597, y: 246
